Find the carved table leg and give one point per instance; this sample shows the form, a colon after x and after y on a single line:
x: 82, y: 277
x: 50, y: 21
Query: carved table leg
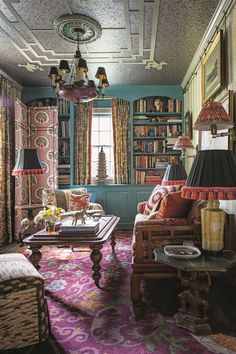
x: 35, y: 256
x: 113, y: 240
x: 193, y: 314
x: 96, y: 256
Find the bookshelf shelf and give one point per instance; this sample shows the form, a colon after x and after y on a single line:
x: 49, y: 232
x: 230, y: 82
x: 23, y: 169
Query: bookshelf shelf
x: 63, y: 142
x: 157, y: 123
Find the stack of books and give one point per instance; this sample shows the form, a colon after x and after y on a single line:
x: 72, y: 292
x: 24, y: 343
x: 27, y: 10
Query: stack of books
x: 90, y: 227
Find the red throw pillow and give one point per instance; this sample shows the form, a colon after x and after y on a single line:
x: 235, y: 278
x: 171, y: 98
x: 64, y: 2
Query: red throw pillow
x: 155, y: 198
x: 79, y: 202
x: 173, y: 206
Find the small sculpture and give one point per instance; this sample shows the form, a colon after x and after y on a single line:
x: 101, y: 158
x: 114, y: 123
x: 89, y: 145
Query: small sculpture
x: 158, y: 105
x: 79, y: 215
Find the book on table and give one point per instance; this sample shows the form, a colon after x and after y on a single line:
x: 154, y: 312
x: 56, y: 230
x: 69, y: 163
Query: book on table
x: 90, y: 226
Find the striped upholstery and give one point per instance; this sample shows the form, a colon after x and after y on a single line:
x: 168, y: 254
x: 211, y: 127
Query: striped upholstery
x: 23, y: 309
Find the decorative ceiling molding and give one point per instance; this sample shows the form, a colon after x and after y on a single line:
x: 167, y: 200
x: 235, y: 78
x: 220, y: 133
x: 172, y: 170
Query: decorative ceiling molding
x: 28, y: 50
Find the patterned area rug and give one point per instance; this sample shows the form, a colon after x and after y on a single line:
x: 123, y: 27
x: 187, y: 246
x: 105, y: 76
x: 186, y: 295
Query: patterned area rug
x: 88, y: 320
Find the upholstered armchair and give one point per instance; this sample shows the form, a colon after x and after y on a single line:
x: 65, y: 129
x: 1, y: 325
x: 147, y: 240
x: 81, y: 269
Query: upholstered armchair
x: 164, y: 219
x: 64, y: 199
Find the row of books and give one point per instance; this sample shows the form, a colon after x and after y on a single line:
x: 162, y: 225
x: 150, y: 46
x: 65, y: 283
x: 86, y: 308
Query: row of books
x: 143, y: 177
x: 64, y: 148
x: 153, y: 147
x: 89, y: 228
x: 158, y: 104
x: 151, y: 162
x: 64, y: 128
x: 63, y: 179
x: 63, y: 107
x: 157, y: 131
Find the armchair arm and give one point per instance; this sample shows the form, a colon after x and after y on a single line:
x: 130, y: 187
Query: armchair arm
x: 141, y: 206
x: 152, y: 234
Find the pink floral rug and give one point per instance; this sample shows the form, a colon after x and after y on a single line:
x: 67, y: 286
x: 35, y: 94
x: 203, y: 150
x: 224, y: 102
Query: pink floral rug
x: 88, y: 320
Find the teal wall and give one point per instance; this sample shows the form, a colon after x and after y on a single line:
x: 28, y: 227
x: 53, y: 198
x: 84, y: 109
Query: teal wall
x: 120, y: 200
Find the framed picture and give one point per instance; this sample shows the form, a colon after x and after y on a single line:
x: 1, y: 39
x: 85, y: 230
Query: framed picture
x: 206, y: 142
x: 212, y: 68
x: 188, y: 125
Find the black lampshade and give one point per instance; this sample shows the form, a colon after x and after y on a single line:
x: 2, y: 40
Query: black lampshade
x: 212, y: 176
x: 64, y: 67
x: 101, y: 73
x: 53, y: 72
x: 175, y: 174
x: 28, y: 163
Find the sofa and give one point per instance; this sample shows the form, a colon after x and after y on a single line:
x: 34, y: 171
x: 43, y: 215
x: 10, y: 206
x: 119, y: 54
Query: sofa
x: 164, y: 219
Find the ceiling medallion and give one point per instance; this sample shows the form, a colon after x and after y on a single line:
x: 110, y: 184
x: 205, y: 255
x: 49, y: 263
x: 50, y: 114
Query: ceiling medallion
x: 67, y: 26
x: 72, y: 82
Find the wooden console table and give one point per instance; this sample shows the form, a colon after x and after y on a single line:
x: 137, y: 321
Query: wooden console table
x: 195, y: 277
x: 107, y: 226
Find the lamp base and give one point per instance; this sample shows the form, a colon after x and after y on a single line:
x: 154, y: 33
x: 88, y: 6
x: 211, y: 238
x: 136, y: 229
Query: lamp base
x: 212, y: 219
x: 212, y: 253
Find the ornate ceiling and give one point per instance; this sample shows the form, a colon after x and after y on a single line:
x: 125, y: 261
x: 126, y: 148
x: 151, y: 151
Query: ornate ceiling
x: 135, y: 34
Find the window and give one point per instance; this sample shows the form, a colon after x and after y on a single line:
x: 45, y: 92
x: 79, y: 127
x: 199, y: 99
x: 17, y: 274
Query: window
x: 102, y: 136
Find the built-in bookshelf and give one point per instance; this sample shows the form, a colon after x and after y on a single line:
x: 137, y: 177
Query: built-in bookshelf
x: 157, y: 123
x: 63, y: 142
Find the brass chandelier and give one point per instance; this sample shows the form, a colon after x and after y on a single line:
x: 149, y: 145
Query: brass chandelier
x: 72, y: 82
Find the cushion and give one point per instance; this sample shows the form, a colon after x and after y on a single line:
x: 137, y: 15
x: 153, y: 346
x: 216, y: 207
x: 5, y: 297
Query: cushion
x: 59, y: 197
x: 173, y: 206
x: 155, y: 198
x: 78, y: 202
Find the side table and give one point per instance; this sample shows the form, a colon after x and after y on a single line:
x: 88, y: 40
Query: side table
x: 195, y: 277
x: 27, y: 223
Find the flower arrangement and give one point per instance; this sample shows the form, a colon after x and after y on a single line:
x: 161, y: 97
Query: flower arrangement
x: 49, y: 216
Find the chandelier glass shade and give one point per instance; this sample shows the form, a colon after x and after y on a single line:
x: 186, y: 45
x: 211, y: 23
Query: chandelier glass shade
x: 71, y: 81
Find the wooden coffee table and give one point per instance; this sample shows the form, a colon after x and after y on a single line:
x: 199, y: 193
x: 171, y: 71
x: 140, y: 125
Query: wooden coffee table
x: 107, y: 227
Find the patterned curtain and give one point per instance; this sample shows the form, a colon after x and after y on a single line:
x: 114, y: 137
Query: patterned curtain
x: 8, y: 94
x: 82, y: 143
x: 121, y: 134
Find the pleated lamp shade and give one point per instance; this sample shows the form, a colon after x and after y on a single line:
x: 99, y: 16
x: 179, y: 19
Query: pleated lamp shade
x: 182, y: 143
x: 212, y: 176
x: 28, y: 163
x: 213, y: 113
x: 175, y: 175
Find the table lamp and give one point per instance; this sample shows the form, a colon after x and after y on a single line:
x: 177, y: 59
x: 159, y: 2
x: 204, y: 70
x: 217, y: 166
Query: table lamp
x: 183, y: 143
x: 28, y: 163
x: 212, y: 178
x: 175, y: 175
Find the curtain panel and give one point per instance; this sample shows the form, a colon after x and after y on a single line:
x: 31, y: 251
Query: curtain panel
x: 121, y: 137
x: 82, y: 143
x: 8, y: 95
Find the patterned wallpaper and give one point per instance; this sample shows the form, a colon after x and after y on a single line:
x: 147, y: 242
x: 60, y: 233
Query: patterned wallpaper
x: 36, y: 127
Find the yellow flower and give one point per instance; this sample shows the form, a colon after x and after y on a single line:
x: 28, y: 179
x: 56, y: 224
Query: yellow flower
x: 50, y: 215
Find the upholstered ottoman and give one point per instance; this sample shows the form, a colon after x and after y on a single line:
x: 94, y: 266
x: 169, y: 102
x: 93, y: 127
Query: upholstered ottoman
x: 23, y: 309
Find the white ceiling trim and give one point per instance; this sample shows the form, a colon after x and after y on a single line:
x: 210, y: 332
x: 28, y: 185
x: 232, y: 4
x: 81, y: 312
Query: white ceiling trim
x: 126, y: 55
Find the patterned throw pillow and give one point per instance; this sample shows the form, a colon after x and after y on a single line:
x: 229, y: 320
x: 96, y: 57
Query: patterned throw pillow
x: 173, y: 206
x: 78, y: 202
x: 155, y: 198
x: 59, y: 197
